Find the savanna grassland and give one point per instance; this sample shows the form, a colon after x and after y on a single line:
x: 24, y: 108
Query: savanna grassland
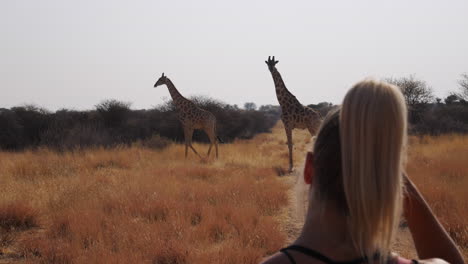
x: 137, y: 205
x: 439, y: 167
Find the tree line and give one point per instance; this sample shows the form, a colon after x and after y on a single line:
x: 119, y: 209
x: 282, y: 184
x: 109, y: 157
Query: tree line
x: 433, y: 115
x: 113, y: 122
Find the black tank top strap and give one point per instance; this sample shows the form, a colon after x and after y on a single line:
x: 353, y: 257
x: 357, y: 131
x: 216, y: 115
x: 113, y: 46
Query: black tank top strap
x: 285, y: 252
x: 314, y: 254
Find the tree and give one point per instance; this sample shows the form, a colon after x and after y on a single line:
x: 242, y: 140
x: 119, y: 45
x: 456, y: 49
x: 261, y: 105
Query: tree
x: 415, y: 91
x: 269, y: 108
x: 34, y: 120
x: 113, y: 112
x: 323, y: 107
x: 463, y: 85
x: 249, y: 106
x: 453, y: 98
x: 11, y: 134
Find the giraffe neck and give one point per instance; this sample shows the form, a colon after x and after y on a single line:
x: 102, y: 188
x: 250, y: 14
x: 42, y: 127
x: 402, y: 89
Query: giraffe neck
x: 282, y: 93
x: 176, y: 96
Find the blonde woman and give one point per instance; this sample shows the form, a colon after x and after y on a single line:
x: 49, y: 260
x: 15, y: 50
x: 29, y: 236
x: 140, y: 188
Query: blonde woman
x: 356, y: 188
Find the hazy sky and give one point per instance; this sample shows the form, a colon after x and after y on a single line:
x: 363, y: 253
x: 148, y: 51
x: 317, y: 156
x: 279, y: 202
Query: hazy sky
x: 73, y: 54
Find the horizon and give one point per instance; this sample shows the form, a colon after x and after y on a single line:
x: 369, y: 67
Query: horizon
x: 64, y: 55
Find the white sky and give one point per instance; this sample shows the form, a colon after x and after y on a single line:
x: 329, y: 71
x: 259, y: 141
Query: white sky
x: 73, y: 54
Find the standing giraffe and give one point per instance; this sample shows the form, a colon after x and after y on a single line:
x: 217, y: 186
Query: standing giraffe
x: 192, y: 117
x: 293, y: 113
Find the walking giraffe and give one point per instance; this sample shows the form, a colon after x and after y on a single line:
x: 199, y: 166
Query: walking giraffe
x: 293, y: 113
x: 192, y: 117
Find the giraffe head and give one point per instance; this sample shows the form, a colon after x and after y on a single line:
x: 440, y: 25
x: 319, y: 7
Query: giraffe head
x: 271, y: 63
x: 162, y: 80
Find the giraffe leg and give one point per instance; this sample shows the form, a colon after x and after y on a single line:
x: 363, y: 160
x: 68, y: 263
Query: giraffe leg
x: 186, y: 137
x: 290, y: 146
x: 215, y: 137
x: 195, y: 150
x: 212, y: 137
x: 188, y: 133
x: 190, y: 143
x: 216, y: 147
x: 209, y: 149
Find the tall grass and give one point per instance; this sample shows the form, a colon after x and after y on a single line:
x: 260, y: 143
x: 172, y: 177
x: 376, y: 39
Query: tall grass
x: 138, y: 205
x: 439, y: 167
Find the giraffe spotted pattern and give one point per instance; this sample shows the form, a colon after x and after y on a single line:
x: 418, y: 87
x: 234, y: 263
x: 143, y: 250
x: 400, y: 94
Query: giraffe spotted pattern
x: 294, y: 114
x: 192, y: 117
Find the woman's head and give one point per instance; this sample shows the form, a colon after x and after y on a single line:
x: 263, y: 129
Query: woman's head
x: 357, y: 163
x: 326, y: 163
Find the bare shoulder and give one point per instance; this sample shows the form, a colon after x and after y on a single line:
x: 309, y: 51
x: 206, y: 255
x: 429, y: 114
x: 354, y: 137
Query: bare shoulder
x: 432, y: 261
x: 400, y: 260
x: 278, y: 258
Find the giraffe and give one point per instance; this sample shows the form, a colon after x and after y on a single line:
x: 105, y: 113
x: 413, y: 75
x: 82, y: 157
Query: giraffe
x: 192, y: 117
x: 293, y: 113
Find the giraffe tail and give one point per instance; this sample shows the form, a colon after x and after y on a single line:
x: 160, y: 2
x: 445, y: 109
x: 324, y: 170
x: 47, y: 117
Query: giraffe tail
x: 219, y: 139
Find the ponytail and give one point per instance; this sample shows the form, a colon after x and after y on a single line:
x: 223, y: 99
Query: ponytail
x: 373, y: 136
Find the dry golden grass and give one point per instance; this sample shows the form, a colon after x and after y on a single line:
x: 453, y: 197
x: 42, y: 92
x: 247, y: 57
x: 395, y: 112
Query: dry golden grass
x: 136, y: 205
x: 439, y: 167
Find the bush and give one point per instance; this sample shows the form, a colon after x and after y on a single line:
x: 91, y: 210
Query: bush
x: 34, y: 121
x: 17, y: 216
x: 113, y: 112
x: 114, y: 123
x: 232, y: 122
x: 11, y: 134
x: 436, y: 119
x: 156, y: 142
x: 323, y: 108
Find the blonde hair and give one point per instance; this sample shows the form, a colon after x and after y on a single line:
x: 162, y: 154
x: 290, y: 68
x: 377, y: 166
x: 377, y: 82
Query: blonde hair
x: 373, y: 138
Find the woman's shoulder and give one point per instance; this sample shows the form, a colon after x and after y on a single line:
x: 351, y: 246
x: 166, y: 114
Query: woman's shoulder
x: 400, y: 260
x: 280, y: 258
